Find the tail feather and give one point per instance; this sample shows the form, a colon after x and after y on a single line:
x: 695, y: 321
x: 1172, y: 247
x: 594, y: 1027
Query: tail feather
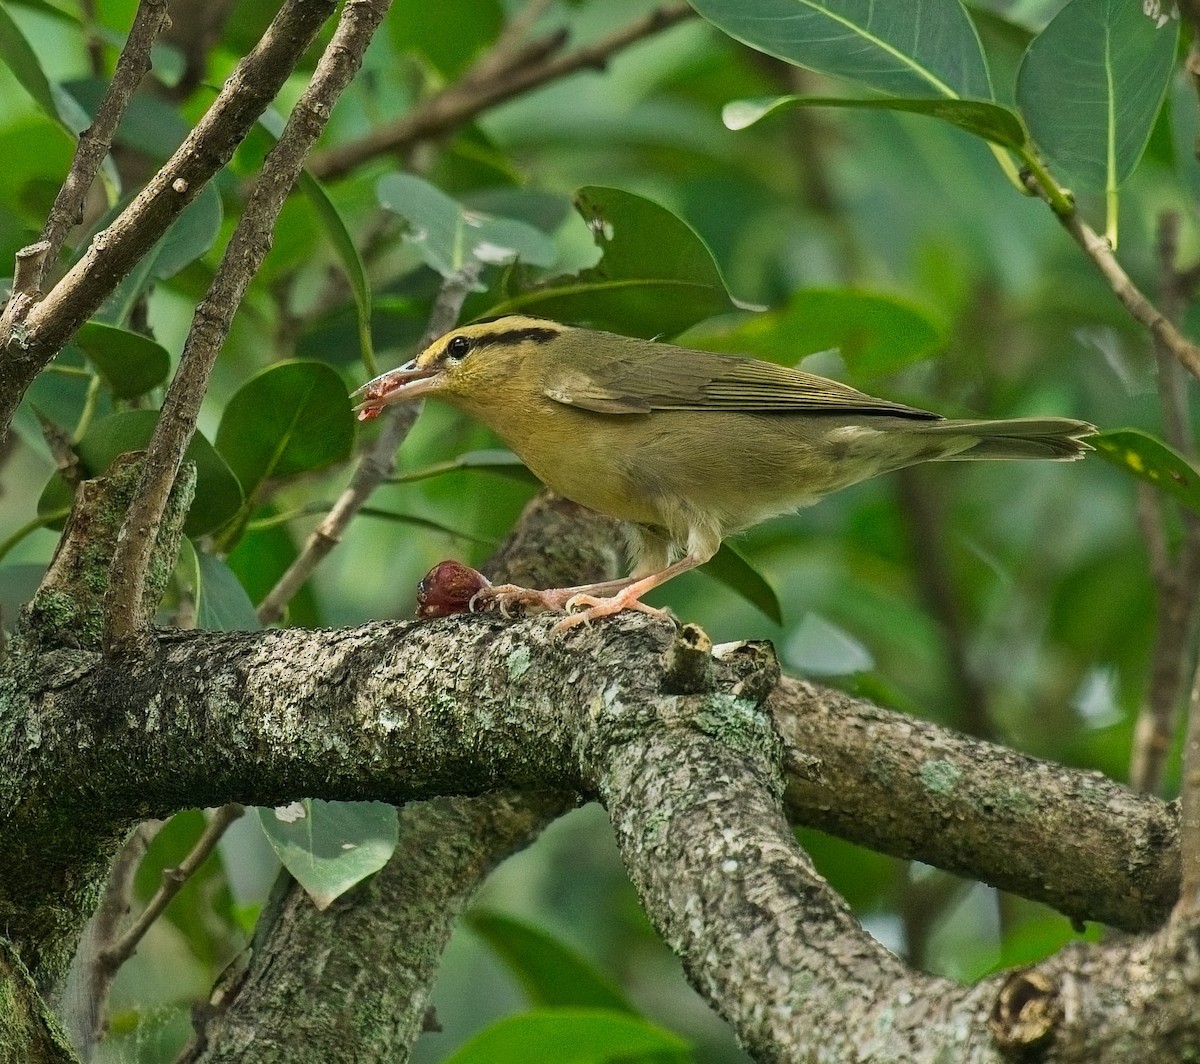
x: 1057, y: 439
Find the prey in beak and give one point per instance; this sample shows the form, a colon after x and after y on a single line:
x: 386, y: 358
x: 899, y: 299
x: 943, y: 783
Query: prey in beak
x: 399, y: 385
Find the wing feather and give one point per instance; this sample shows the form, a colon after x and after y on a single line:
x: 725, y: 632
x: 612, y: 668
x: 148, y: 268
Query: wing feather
x: 643, y: 378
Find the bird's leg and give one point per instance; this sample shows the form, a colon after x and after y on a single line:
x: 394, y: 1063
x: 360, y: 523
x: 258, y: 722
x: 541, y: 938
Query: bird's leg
x: 701, y: 547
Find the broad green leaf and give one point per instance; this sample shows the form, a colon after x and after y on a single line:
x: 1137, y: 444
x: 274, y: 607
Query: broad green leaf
x: 222, y: 604
x: 218, y: 494
x: 1091, y: 84
x: 449, y: 33
x: 1149, y: 459
x: 130, y: 362
x: 736, y: 573
x: 550, y: 973
x: 496, y: 460
x: 875, y: 333
x: 331, y: 846
x: 341, y: 241
x: 261, y: 557
x: 920, y: 48
x: 18, y: 55
x: 571, y: 1036
x: 36, y: 153
x: 150, y: 125
x: 291, y: 418
x: 656, y: 275
x: 991, y: 121
x: 448, y: 236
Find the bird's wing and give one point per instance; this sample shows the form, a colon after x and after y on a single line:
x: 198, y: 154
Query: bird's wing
x: 676, y: 378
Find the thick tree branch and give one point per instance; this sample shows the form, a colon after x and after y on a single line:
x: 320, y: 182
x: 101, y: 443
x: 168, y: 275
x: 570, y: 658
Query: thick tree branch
x: 247, y: 248
x: 409, y: 909
x: 1075, y: 840
x: 470, y: 96
x: 30, y: 341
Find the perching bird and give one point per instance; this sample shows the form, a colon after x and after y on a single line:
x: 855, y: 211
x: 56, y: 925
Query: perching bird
x: 687, y: 446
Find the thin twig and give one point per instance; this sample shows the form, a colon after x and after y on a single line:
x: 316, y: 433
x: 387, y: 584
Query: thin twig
x: 462, y: 101
x: 1176, y: 574
x: 1131, y: 297
x: 95, y: 141
x: 125, y: 621
x: 173, y: 880
x: 373, y: 468
x: 104, y: 930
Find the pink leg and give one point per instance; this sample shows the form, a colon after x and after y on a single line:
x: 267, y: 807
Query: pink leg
x: 629, y: 597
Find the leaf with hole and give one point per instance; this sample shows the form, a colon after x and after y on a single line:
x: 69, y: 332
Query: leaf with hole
x: 656, y: 275
x: 331, y: 846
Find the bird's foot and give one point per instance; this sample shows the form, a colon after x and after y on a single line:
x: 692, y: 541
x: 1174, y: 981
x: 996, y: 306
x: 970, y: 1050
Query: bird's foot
x: 594, y: 608
x: 504, y: 597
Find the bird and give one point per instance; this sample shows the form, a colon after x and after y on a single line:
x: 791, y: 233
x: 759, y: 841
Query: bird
x: 687, y: 447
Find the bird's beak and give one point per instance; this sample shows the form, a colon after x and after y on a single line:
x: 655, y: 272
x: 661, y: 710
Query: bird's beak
x: 399, y: 385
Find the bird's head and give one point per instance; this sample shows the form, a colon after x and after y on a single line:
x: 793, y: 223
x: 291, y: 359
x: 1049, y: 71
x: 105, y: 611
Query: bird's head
x: 470, y: 365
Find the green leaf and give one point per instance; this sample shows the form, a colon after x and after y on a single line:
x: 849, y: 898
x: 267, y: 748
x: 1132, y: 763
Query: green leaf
x: 130, y: 362
x: 875, y: 333
x: 1149, y: 459
x: 331, y: 846
x: 550, y: 973
x: 1091, y: 84
x: 190, y: 235
x: 736, y: 573
x: 991, y: 121
x: 343, y: 245
x: 331, y: 222
x: 18, y: 55
x: 448, y: 236
x: 293, y: 417
x: 656, y: 275
x: 218, y: 494
x: 449, y: 33
x: 919, y: 48
x: 571, y: 1036
x: 222, y: 604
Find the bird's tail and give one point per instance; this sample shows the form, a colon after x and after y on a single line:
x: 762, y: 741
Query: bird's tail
x: 1059, y: 439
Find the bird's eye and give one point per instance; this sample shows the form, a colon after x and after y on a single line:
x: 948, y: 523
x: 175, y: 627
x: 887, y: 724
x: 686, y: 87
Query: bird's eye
x: 458, y: 347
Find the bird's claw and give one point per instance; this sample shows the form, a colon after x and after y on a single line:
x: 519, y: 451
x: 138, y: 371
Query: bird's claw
x: 594, y: 608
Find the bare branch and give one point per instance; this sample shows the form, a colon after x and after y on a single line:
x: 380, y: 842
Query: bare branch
x: 911, y: 789
x: 95, y: 141
x: 247, y: 248
x: 462, y: 101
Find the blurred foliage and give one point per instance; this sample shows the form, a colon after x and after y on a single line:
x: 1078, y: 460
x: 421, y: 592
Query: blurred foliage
x: 860, y: 202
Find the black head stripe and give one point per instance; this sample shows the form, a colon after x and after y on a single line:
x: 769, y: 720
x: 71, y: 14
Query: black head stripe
x: 534, y: 334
